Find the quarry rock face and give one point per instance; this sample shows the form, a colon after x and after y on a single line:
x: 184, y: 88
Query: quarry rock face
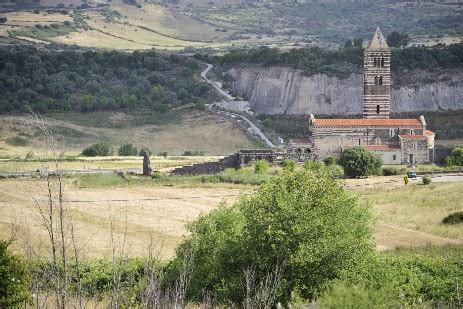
x: 282, y: 90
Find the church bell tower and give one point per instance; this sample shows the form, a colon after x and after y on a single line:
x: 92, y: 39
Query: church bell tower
x: 377, y: 78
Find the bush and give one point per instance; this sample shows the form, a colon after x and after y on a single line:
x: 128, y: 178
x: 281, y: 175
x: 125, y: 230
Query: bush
x: 193, y: 153
x: 454, y: 218
x: 313, y: 165
x: 127, y: 150
x: 289, y: 165
x: 17, y: 141
x: 360, y: 162
x: 163, y: 154
x: 14, y: 279
x: 455, y: 158
x: 303, y: 222
x: 261, y: 167
x: 426, y: 180
x: 3, y: 20
x: 97, y: 150
x: 406, y: 179
x: 329, y: 160
x: 390, y: 171
x: 144, y: 151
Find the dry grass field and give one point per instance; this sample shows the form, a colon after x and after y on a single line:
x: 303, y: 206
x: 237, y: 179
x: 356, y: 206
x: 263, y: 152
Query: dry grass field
x: 405, y: 216
x: 173, y: 132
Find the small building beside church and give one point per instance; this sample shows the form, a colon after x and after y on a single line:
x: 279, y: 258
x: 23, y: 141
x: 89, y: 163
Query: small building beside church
x: 397, y: 141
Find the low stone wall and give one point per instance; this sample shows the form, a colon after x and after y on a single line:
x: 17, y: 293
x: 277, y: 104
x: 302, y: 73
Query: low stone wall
x: 209, y: 167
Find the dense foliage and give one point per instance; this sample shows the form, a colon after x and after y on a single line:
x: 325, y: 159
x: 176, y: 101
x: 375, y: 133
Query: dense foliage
x: 127, y: 149
x: 261, y: 167
x: 97, y: 150
x: 455, y: 158
x: 454, y: 218
x: 96, y: 80
x: 359, y: 162
x: 397, y: 39
x: 346, y: 61
x: 303, y: 223
x: 14, y: 279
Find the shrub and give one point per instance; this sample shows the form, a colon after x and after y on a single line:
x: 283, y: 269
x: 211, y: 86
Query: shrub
x: 261, y: 167
x: 193, y: 153
x: 17, y: 141
x: 329, y: 160
x: 30, y: 155
x: 144, y: 151
x: 3, y: 20
x: 313, y: 165
x: 97, y: 150
x: 454, y: 218
x: 360, y: 162
x: 390, y: 171
x: 455, y: 158
x: 289, y: 165
x: 406, y: 179
x: 14, y: 279
x: 303, y: 222
x: 426, y: 180
x: 163, y: 154
x: 127, y: 149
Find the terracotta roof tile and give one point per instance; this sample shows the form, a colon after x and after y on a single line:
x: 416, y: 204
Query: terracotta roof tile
x: 383, y: 147
x: 366, y: 122
x: 413, y: 136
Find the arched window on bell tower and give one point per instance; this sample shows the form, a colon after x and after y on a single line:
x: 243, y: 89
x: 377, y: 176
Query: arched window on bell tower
x: 380, y: 80
x: 377, y: 109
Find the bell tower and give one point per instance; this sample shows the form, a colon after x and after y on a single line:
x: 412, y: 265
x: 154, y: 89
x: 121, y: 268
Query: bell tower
x: 377, y: 78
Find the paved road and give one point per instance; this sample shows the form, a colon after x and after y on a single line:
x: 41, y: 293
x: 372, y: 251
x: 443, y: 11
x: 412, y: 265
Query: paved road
x: 228, y: 97
x: 444, y: 178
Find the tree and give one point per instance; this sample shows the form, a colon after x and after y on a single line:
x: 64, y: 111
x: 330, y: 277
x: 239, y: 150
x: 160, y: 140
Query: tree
x: 14, y: 279
x: 127, y: 149
x: 359, y: 162
x: 397, y: 39
x: 455, y: 157
x: 289, y: 165
x: 3, y: 20
x: 144, y: 151
x: 329, y: 160
x: 261, y: 167
x: 304, y: 223
x: 97, y: 150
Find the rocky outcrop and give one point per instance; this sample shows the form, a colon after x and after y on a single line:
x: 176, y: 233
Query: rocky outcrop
x: 281, y: 90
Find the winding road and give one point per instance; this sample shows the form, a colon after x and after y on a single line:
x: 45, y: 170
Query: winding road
x: 229, y: 97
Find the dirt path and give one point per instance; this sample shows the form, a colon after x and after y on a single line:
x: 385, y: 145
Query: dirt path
x: 389, y: 236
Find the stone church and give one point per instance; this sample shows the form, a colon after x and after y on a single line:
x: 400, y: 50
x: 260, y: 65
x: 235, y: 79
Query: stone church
x: 397, y: 141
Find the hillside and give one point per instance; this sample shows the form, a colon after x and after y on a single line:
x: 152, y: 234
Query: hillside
x: 79, y: 80
x: 224, y: 25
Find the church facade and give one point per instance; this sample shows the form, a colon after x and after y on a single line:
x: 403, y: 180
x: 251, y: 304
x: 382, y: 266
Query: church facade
x: 397, y: 141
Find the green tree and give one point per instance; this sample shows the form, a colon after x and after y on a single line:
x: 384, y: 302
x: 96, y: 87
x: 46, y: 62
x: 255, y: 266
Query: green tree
x: 199, y: 104
x: 3, y: 19
x: 303, y: 222
x: 261, y: 167
x: 455, y: 157
x: 127, y: 149
x: 397, y: 39
x: 359, y: 162
x: 289, y: 165
x: 14, y: 279
x: 144, y: 151
x: 97, y: 150
x: 329, y: 160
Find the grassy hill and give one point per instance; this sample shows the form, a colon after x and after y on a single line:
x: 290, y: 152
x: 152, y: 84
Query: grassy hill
x: 221, y: 26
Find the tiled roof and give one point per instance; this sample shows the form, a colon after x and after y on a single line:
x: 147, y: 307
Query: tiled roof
x: 382, y: 147
x: 380, y: 122
x: 413, y: 137
x: 427, y: 132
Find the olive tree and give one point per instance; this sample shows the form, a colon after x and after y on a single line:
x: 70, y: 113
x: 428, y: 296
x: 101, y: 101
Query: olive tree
x: 302, y: 223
